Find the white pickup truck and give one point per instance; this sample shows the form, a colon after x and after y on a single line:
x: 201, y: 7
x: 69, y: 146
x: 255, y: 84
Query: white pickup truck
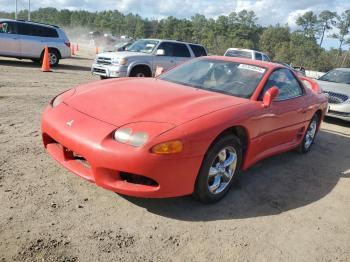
x: 143, y: 57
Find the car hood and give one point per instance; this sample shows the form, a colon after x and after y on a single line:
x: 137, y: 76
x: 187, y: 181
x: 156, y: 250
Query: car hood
x: 334, y: 87
x: 128, y: 100
x: 122, y: 54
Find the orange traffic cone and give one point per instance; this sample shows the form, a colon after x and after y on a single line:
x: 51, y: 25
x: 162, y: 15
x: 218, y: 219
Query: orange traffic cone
x: 73, y: 50
x: 97, y: 50
x: 77, y: 49
x: 45, y: 67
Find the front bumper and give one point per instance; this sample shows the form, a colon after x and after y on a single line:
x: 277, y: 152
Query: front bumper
x: 109, y: 71
x: 341, y: 111
x: 86, y: 148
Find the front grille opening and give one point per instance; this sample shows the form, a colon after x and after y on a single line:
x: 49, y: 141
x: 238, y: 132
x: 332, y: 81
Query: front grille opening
x: 336, y: 98
x: 137, y: 179
x: 81, y: 159
x: 47, y: 139
x: 338, y: 113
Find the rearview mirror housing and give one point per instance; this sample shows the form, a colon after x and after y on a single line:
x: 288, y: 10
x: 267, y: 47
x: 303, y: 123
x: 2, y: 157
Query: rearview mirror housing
x: 160, y: 52
x: 270, y: 95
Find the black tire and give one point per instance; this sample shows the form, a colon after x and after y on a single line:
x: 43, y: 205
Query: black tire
x: 140, y: 72
x: 305, y: 146
x: 103, y: 77
x: 201, y: 191
x: 55, y: 57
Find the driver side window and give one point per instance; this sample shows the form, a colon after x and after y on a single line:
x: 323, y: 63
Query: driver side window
x: 286, y: 83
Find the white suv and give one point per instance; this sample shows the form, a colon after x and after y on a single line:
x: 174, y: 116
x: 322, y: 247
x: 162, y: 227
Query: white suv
x: 27, y: 40
x: 143, y: 56
x: 247, y: 53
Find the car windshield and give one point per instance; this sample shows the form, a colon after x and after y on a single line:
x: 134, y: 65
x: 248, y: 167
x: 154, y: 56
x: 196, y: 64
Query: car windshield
x: 337, y: 76
x: 231, y: 78
x: 239, y: 53
x: 143, y: 46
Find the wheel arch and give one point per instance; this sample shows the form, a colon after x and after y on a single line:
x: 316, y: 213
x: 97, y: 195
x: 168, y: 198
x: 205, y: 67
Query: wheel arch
x: 320, y: 115
x: 240, y: 132
x: 53, y: 49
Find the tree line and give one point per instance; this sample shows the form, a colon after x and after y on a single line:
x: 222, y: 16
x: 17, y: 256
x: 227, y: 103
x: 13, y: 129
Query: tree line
x: 302, y: 47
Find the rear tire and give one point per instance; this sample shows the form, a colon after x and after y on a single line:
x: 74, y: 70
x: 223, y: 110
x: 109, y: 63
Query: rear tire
x: 219, y: 170
x: 54, y: 57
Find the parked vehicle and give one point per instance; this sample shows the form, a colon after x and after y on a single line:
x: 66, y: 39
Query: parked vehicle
x: 143, y: 56
x: 336, y: 83
x: 189, y: 131
x: 27, y: 40
x: 297, y: 69
x: 247, y: 53
x: 118, y: 47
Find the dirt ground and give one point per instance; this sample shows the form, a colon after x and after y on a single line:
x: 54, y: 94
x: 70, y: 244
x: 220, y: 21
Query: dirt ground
x: 286, y: 208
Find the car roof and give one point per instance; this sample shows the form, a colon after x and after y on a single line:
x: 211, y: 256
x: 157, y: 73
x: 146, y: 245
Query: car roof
x: 246, y: 50
x: 169, y: 40
x: 29, y: 22
x: 268, y: 65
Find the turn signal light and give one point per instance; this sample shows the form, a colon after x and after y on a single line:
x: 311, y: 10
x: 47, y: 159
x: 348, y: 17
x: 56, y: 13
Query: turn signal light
x: 171, y: 147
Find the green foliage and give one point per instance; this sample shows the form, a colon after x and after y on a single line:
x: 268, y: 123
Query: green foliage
x: 238, y: 29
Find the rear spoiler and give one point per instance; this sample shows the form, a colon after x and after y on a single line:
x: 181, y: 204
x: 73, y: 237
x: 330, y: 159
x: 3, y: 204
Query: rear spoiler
x: 312, y: 84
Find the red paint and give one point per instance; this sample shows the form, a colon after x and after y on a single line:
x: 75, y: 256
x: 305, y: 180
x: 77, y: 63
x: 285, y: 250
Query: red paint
x: 167, y: 112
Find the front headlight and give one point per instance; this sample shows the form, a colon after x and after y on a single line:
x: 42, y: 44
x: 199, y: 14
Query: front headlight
x: 120, y: 61
x: 127, y: 136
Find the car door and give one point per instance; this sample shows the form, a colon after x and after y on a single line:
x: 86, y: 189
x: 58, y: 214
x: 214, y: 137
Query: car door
x: 181, y: 53
x: 283, y: 122
x: 32, y: 43
x: 167, y: 60
x: 9, y: 40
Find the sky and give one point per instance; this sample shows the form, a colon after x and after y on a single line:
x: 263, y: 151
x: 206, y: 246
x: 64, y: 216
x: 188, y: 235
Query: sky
x: 267, y: 11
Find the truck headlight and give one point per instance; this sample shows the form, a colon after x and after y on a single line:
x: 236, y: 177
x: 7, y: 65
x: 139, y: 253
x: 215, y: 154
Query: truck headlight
x: 120, y: 61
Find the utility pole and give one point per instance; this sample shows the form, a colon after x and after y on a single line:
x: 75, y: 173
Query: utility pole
x: 28, y: 10
x: 16, y: 11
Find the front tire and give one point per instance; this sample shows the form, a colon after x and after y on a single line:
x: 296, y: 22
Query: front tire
x: 310, y: 135
x: 220, y: 168
x: 140, y: 72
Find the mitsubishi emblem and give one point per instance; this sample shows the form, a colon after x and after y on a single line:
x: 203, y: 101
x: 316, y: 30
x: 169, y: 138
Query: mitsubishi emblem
x: 70, y: 123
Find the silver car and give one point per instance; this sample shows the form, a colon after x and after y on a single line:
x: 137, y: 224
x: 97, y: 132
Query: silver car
x: 27, y: 40
x: 143, y: 56
x: 336, y: 83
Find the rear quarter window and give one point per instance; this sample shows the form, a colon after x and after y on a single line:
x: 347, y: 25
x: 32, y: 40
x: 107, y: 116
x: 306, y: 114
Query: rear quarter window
x: 47, y: 32
x: 198, y: 50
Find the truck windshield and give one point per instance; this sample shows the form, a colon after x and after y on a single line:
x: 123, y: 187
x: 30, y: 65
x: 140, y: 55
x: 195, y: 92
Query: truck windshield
x: 143, y: 46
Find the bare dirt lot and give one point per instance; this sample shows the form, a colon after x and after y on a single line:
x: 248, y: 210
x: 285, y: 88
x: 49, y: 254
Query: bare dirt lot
x: 286, y: 208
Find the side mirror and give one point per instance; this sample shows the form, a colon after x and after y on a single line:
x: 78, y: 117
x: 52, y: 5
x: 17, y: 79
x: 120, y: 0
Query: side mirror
x: 160, y: 52
x: 159, y: 71
x: 270, y: 95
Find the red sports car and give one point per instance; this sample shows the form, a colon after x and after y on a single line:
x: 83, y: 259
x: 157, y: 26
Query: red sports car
x: 188, y: 131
